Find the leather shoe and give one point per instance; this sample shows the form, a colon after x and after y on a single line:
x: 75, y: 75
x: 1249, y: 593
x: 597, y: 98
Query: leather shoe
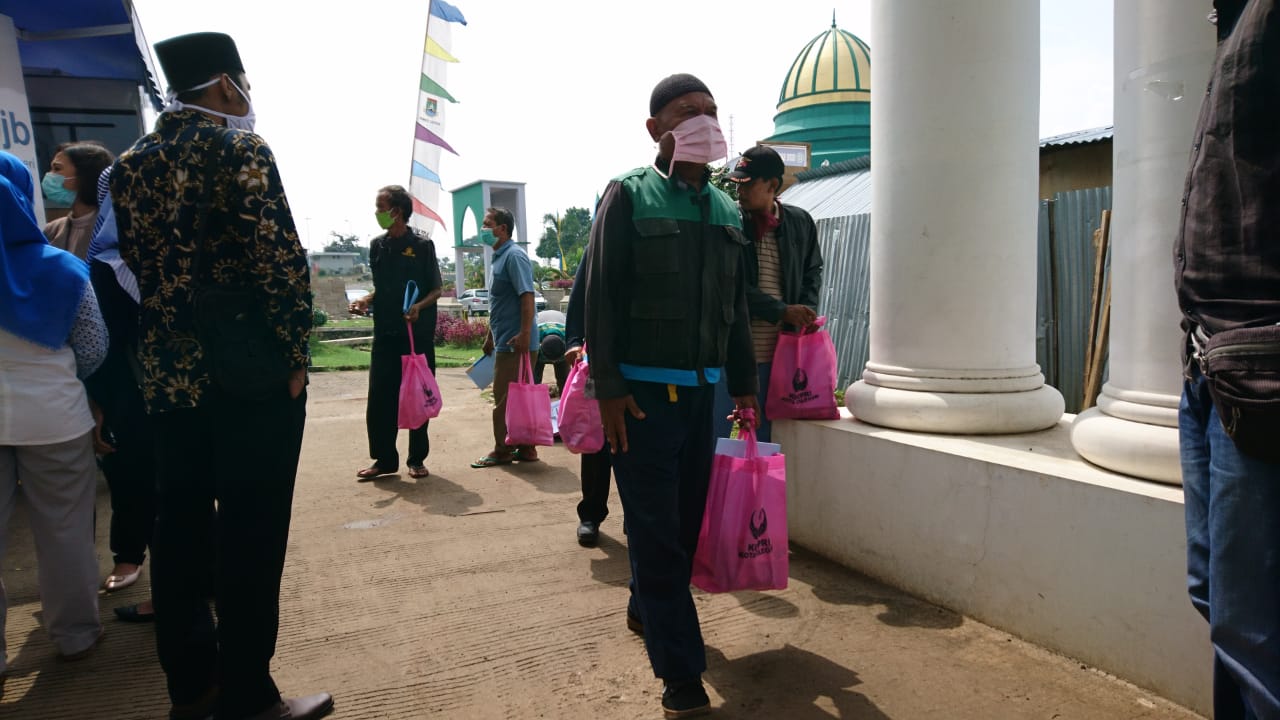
x: 199, y: 709
x: 588, y: 533
x: 311, y: 707
x: 130, y: 614
x: 635, y: 624
x: 687, y: 699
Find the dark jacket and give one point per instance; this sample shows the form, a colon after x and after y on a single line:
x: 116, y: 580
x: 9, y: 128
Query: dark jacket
x: 394, y: 262
x: 114, y: 386
x: 1227, y: 256
x: 801, y: 270
x: 666, y: 283
x: 575, y: 323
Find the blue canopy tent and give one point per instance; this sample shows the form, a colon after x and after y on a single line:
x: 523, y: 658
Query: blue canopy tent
x: 84, y: 72
x: 83, y: 38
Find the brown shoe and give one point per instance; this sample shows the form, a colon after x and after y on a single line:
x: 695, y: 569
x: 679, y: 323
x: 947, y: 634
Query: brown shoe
x: 311, y: 707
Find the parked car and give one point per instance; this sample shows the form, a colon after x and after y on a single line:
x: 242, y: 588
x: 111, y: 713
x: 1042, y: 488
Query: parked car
x: 475, y: 301
x: 539, y: 302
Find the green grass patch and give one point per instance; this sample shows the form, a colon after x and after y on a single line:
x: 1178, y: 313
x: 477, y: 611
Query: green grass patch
x: 451, y: 356
x: 326, y: 356
x: 338, y: 357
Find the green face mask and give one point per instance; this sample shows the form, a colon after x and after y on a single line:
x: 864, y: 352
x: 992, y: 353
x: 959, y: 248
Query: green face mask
x: 487, y: 237
x: 384, y: 219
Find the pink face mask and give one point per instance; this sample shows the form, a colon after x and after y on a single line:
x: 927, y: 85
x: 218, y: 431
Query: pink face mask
x: 698, y: 140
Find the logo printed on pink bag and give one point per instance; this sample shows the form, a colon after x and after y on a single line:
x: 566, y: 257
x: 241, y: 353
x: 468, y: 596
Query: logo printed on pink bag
x: 801, y: 394
x: 800, y: 380
x: 760, y: 546
x: 429, y: 396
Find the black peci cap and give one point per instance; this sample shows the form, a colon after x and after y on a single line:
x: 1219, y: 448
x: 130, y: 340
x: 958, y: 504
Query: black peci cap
x: 672, y: 87
x: 190, y: 60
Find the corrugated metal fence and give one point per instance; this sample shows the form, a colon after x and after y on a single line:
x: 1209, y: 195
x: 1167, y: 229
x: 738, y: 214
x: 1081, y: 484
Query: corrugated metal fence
x: 1064, y: 281
x: 1065, y: 288
x: 846, y: 294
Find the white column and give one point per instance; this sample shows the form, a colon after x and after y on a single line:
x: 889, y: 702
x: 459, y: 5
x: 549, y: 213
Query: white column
x: 954, y: 134
x: 1163, y: 55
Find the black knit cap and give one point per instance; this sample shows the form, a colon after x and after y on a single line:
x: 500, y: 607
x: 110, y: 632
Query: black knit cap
x: 190, y: 60
x: 672, y: 87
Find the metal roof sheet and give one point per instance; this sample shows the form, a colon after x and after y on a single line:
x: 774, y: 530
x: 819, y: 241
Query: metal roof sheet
x: 1080, y: 137
x: 833, y: 191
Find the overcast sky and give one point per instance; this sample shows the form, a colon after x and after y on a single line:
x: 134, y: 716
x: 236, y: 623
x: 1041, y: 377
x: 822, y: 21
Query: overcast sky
x: 552, y: 93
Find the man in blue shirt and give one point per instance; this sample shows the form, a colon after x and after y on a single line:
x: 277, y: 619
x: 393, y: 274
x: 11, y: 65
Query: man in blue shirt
x: 510, y: 328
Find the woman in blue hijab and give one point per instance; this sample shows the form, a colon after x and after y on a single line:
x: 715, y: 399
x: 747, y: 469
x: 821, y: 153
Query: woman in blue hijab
x: 51, y: 335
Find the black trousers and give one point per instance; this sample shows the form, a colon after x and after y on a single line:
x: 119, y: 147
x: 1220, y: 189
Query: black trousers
x: 662, y: 481
x: 131, y: 477
x: 594, y: 506
x: 384, y: 403
x: 242, y: 460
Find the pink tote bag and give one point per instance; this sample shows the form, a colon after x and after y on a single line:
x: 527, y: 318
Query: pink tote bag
x: 528, y: 409
x: 802, y: 381
x: 580, y: 427
x: 743, y: 541
x: 419, y: 393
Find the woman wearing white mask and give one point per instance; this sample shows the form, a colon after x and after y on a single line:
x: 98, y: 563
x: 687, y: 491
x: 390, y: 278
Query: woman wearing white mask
x: 72, y: 181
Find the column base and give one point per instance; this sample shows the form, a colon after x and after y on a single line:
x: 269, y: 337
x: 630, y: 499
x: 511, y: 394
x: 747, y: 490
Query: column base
x: 954, y: 413
x: 1138, y: 449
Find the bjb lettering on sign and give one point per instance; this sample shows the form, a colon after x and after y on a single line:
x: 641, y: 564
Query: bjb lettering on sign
x: 12, y: 130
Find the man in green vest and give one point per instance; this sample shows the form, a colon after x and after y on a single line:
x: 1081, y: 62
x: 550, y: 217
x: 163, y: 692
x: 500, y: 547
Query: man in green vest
x: 666, y: 314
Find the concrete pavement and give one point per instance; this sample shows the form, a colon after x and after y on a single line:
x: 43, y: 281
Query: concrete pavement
x: 464, y: 595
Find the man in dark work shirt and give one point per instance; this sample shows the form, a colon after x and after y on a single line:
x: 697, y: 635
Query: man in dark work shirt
x: 397, y: 256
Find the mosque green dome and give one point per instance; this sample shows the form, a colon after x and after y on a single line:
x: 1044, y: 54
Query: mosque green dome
x: 825, y: 99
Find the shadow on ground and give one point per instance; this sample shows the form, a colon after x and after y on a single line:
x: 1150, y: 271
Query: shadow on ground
x: 838, y: 586
x: 435, y: 493
x: 787, y: 682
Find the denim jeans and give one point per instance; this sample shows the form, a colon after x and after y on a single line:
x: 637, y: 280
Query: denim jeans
x: 724, y: 406
x: 1233, y: 557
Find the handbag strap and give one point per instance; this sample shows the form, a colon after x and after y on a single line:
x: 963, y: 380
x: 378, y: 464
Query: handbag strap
x: 204, y: 208
x: 526, y: 369
x: 747, y: 434
x: 817, y: 325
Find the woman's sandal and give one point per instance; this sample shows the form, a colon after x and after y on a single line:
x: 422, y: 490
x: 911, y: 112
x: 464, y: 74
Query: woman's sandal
x: 492, y: 460
x: 418, y: 471
x: 526, y: 455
